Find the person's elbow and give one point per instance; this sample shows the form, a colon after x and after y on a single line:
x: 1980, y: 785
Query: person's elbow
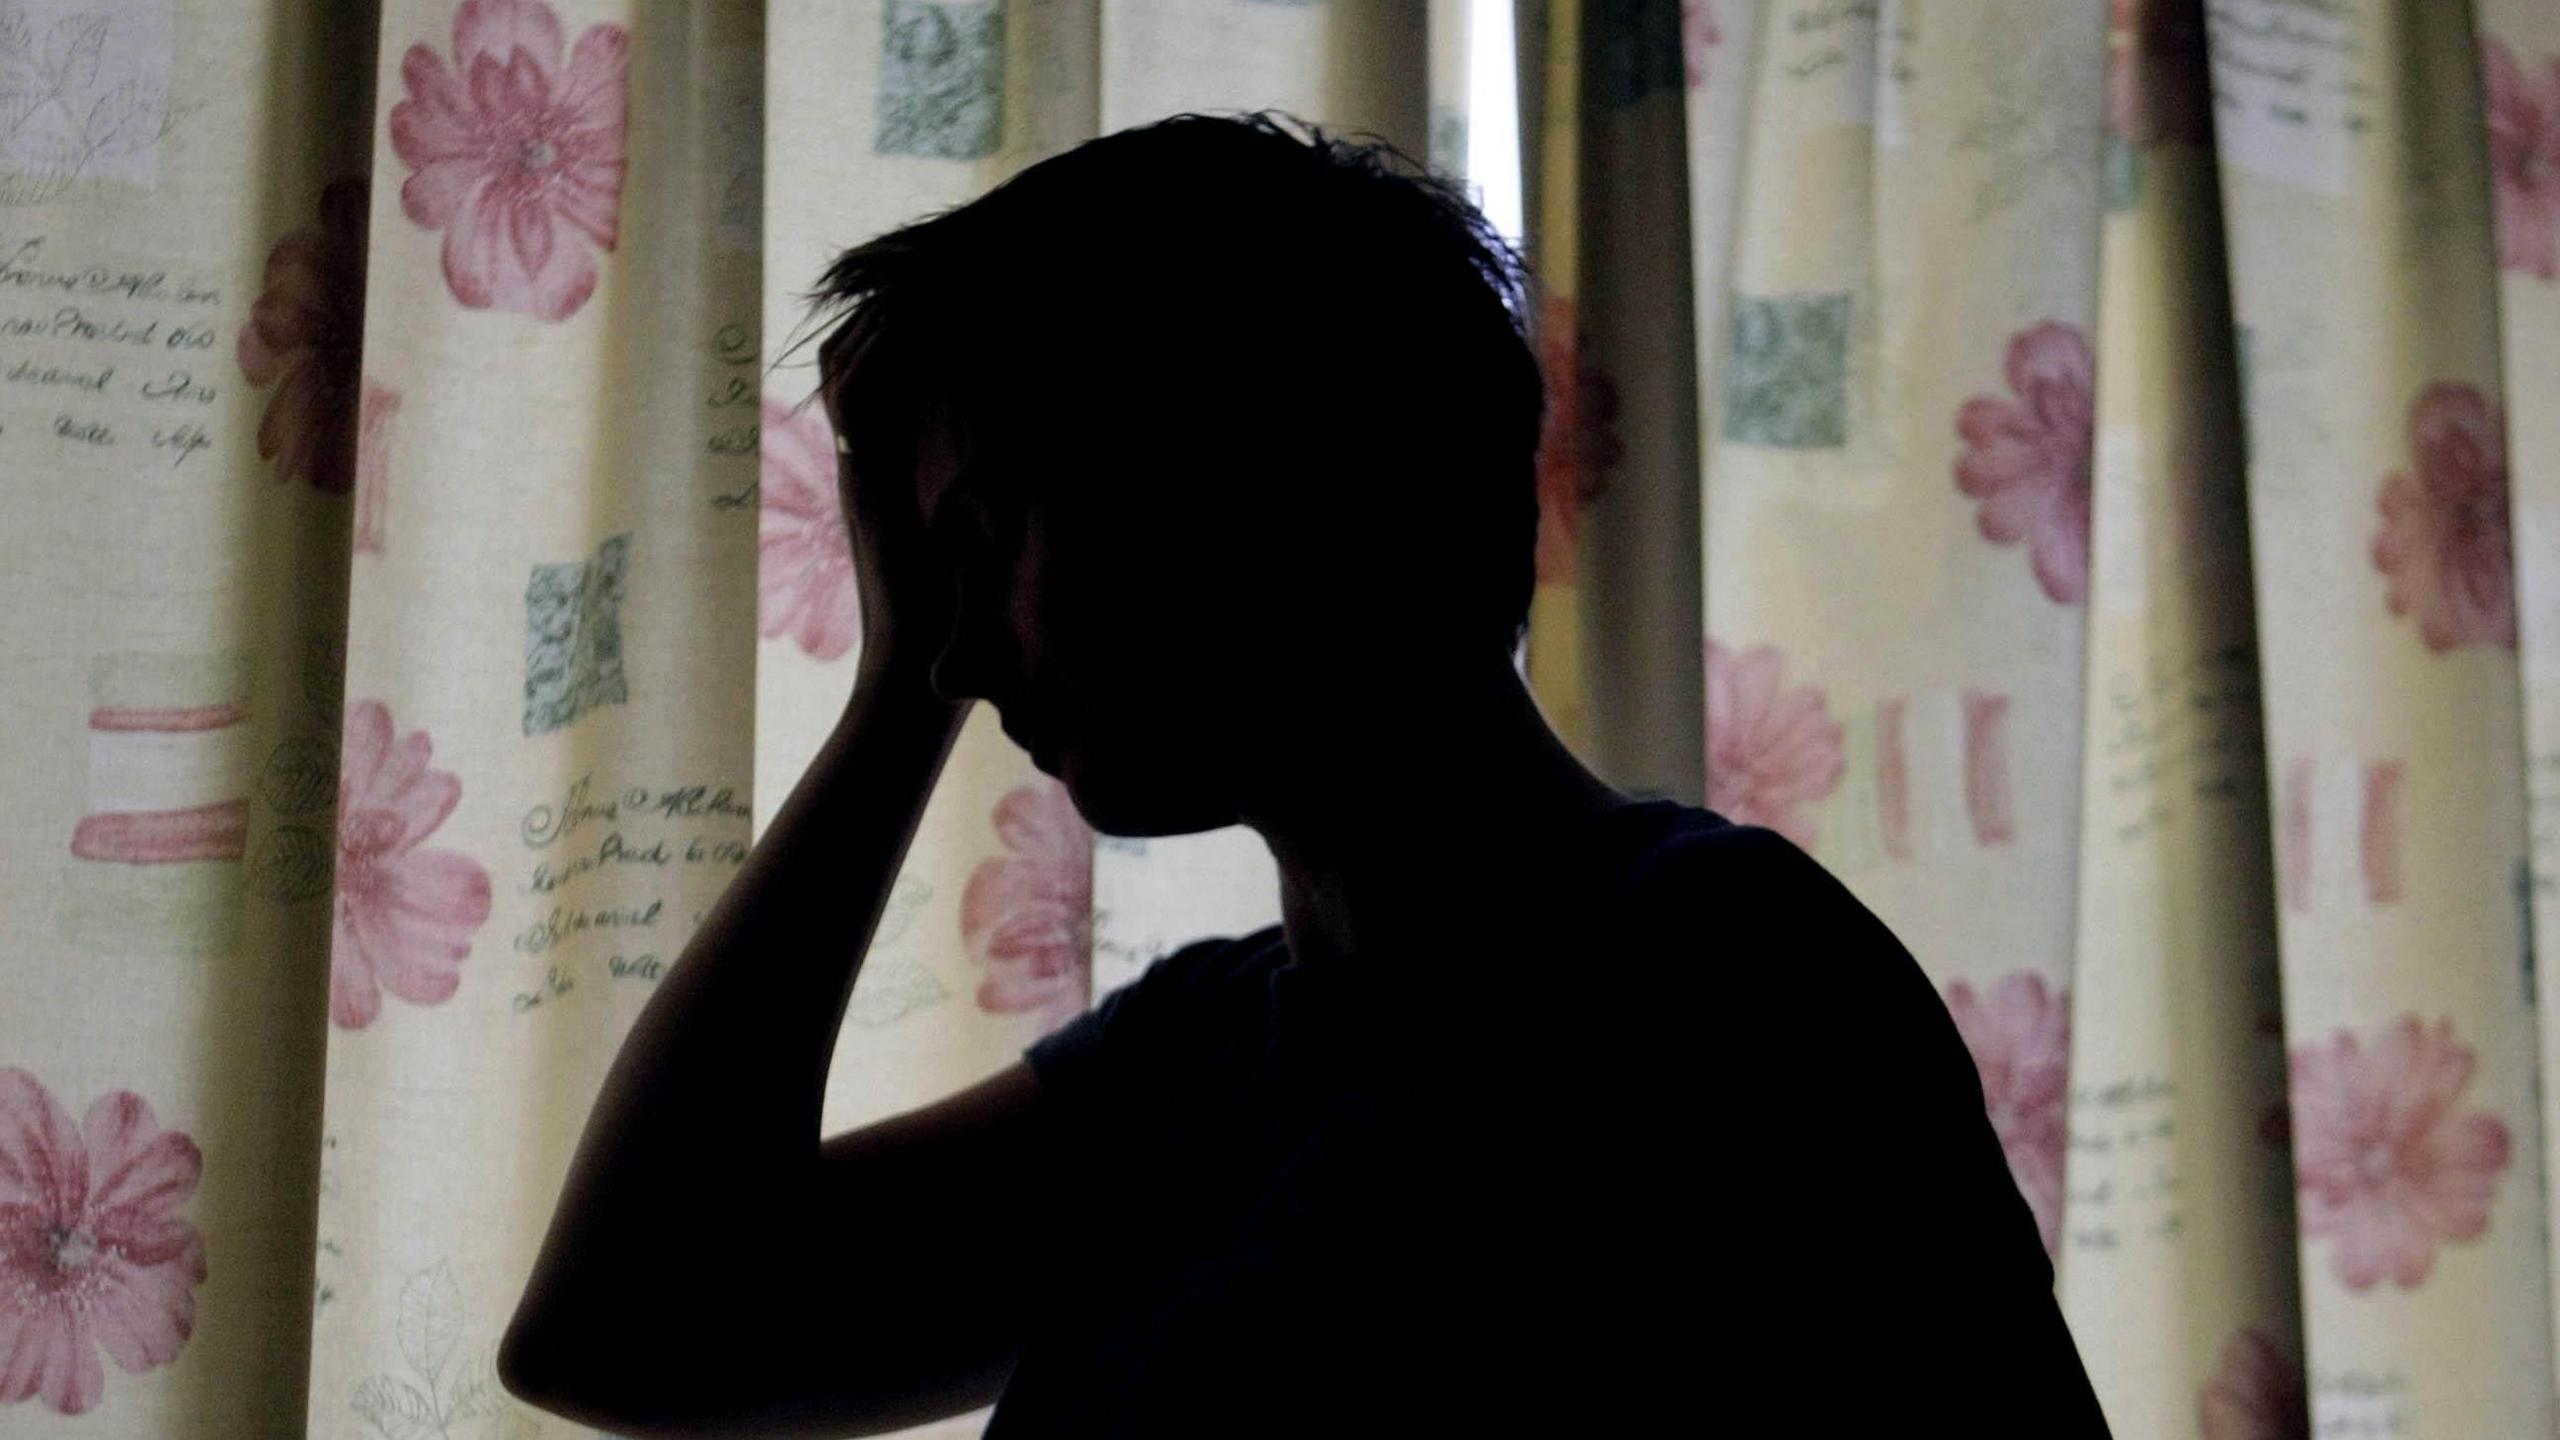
x: 542, y: 1368
x: 568, y: 1370
x: 567, y: 1349
x: 521, y: 1369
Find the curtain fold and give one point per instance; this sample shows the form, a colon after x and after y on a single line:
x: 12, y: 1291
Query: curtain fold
x: 2520, y: 125
x: 2107, y: 566
x: 1895, y: 487
x: 2363, y: 283
x: 2180, y: 1275
x: 549, y: 726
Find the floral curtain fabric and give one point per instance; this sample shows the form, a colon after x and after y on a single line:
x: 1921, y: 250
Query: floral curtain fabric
x: 2109, y: 417
x: 2085, y: 471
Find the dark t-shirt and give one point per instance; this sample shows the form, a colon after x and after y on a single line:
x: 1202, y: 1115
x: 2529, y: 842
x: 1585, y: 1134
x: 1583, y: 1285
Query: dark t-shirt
x: 1686, y: 1140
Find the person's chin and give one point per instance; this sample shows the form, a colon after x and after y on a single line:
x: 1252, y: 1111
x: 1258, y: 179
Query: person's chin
x: 1154, y: 813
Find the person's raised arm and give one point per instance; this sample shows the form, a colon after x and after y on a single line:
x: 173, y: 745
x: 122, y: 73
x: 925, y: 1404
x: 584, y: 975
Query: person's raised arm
x: 700, y: 1204
x: 704, y: 1141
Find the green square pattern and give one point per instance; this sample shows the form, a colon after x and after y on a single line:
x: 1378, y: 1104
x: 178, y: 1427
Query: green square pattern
x: 1787, y: 371
x: 941, y: 79
x: 573, y: 637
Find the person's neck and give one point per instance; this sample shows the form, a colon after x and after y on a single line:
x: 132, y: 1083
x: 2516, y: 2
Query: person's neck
x: 1428, y: 817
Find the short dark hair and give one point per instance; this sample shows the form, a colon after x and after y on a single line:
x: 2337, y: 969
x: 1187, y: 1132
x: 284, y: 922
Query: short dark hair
x: 1347, y: 311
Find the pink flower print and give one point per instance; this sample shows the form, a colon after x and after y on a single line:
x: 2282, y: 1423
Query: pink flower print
x: 405, y: 915
x: 2027, y: 460
x: 516, y: 158
x: 2524, y: 157
x: 2156, y: 85
x: 305, y: 337
x: 2256, y: 1393
x: 2443, y: 547
x: 93, y: 1253
x: 2387, y: 1163
x: 1570, y: 459
x: 1596, y: 405
x: 1771, y: 750
x: 1698, y: 38
x: 1580, y: 444
x: 373, y: 462
x: 1028, y: 917
x: 2020, y: 1036
x: 804, y: 564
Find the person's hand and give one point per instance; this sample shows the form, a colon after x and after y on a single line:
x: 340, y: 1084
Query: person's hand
x: 905, y: 578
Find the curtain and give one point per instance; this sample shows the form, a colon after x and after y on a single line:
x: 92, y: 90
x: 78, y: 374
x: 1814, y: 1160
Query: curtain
x: 2087, y: 472
x: 2108, y: 572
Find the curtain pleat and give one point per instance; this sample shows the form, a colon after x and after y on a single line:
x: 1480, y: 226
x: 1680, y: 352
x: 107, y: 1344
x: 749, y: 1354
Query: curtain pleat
x: 2178, y: 1212
x: 1894, y: 488
x: 2519, y: 121
x: 2363, y: 272
x: 549, y: 717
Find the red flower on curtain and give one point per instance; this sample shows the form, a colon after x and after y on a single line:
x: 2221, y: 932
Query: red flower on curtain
x: 2256, y: 1393
x: 405, y: 915
x: 1698, y: 38
x: 305, y: 336
x: 2027, y: 460
x: 2524, y: 157
x: 804, y: 562
x: 2156, y: 86
x: 2020, y: 1036
x: 2387, y: 1162
x: 1580, y: 445
x: 373, y: 462
x: 2443, y: 547
x: 93, y: 1252
x: 1028, y: 917
x: 517, y: 158
x: 1771, y: 750
x: 1597, y: 447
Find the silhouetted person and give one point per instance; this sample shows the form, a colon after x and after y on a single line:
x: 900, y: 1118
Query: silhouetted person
x: 1205, y: 453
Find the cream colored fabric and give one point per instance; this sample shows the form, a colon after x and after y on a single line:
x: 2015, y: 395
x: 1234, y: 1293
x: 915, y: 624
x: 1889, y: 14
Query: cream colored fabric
x: 2179, y: 1274
x: 1975, y: 452
x: 558, y: 615
x: 2363, y: 285
x: 2520, y: 45
x: 422, y: 593
x: 1916, y: 217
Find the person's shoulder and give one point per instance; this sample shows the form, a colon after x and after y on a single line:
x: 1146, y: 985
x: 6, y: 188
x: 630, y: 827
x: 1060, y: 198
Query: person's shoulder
x: 1772, y: 987
x: 1170, y: 1004
x: 1718, y: 872
x: 1196, y: 971
x: 1214, y: 972
x: 1766, y: 922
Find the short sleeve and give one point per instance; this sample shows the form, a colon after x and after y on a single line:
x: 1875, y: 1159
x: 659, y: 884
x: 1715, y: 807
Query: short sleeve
x: 1174, y: 1022
x: 1880, y: 1088
x: 1888, y: 1216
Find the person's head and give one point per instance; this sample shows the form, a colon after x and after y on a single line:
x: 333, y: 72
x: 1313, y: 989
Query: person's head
x: 1241, y: 428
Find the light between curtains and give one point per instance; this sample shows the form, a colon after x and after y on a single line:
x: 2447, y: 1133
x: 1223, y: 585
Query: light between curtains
x: 411, y: 637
